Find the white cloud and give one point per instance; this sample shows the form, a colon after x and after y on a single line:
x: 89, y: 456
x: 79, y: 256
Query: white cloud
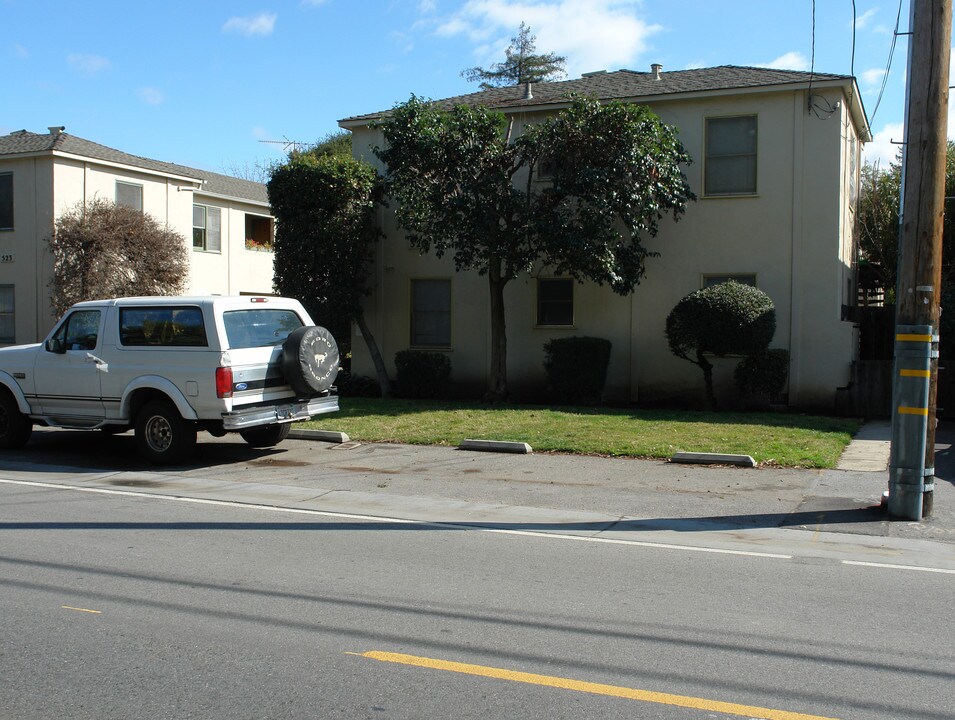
x: 87, y: 64
x: 314, y: 3
x: 260, y: 133
x: 20, y: 51
x: 261, y: 24
x: 882, y: 149
x: 873, y: 77
x: 151, y: 96
x: 427, y: 6
x: 864, y: 18
x: 789, y: 61
x: 592, y: 34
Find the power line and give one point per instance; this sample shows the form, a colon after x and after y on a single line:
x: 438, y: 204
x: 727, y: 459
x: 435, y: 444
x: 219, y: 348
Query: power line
x: 888, y: 65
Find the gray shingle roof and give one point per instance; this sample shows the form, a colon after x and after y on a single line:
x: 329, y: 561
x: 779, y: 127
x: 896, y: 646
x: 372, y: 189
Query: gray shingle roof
x: 22, y: 141
x: 627, y: 84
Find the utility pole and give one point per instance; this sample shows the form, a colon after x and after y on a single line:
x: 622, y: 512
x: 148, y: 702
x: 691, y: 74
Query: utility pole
x: 912, y: 466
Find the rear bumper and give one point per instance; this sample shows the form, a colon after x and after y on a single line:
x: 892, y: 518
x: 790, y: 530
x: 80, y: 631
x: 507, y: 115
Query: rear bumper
x: 280, y: 413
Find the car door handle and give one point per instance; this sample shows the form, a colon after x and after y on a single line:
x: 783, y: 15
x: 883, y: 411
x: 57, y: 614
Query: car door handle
x: 101, y: 365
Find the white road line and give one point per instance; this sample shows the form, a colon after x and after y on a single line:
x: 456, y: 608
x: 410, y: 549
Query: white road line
x: 888, y: 566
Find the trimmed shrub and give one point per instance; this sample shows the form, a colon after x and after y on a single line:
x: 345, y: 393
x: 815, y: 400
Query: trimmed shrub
x: 576, y: 369
x: 725, y: 319
x: 421, y: 374
x: 763, y: 373
x: 357, y: 385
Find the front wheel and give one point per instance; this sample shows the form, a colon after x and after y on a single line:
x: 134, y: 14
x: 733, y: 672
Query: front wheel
x: 15, y: 427
x: 266, y: 435
x: 162, y: 436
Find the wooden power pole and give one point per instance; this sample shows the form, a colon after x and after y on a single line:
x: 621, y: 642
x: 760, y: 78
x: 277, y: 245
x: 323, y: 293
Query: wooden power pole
x: 912, y: 467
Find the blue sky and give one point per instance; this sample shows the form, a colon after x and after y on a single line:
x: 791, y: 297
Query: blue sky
x: 202, y: 83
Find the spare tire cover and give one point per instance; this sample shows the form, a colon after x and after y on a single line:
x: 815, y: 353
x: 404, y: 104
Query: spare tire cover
x: 310, y: 360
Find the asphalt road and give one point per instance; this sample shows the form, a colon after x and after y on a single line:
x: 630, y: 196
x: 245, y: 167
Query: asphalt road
x: 129, y: 606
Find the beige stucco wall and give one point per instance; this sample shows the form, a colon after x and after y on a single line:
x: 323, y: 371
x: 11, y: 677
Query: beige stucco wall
x: 45, y: 186
x: 794, y: 235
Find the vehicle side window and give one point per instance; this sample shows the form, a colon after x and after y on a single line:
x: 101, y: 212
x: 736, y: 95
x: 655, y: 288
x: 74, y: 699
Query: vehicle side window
x: 162, y: 326
x: 259, y: 328
x: 79, y: 331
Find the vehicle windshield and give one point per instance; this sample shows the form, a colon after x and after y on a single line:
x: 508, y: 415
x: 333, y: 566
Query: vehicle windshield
x: 259, y: 327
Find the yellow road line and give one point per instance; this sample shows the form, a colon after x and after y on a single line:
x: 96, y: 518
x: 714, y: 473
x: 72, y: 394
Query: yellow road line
x: 915, y: 373
x: 589, y: 687
x: 95, y: 612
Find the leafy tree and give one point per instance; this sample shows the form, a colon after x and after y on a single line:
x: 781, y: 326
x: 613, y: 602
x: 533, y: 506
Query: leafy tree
x: 520, y: 64
x: 879, y: 220
x: 464, y: 186
x: 325, y: 210
x: 103, y: 250
x: 725, y: 319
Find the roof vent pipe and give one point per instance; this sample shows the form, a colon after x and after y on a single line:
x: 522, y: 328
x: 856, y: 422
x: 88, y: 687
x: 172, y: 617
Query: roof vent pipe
x: 56, y: 129
x: 657, y: 69
x: 528, y: 91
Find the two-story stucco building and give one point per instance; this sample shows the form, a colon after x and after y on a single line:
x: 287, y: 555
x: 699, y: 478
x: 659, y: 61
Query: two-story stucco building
x: 775, y: 168
x: 225, y: 220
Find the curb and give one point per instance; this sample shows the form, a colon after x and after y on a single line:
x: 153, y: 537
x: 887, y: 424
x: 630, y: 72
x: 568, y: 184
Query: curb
x: 713, y: 459
x: 520, y: 448
x: 323, y: 435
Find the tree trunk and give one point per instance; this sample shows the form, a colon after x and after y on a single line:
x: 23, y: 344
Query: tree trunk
x: 707, y: 369
x: 497, y: 378
x: 375, y: 353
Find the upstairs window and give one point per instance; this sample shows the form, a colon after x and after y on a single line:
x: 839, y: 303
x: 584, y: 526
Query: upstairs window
x: 431, y: 313
x: 6, y: 201
x: 206, y: 228
x: 730, y: 165
x: 258, y: 232
x: 129, y: 195
x: 555, y: 301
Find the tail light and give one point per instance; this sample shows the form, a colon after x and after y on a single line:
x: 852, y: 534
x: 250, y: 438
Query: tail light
x: 224, y: 382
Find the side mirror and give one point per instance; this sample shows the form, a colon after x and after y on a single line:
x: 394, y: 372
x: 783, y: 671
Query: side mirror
x: 55, y: 345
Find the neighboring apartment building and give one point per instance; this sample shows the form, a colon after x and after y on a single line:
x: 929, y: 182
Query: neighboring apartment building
x: 226, y: 221
x: 776, y: 158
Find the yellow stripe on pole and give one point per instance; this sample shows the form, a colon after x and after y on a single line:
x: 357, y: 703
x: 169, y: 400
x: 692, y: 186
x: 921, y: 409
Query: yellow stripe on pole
x: 913, y: 338
x: 915, y: 373
x: 592, y: 688
x: 912, y: 411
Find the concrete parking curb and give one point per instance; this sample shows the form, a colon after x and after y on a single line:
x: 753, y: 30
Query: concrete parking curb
x: 323, y: 435
x: 520, y: 448
x: 713, y: 459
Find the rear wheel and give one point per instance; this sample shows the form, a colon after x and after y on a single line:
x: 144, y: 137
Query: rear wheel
x: 162, y: 436
x: 15, y: 427
x: 266, y: 435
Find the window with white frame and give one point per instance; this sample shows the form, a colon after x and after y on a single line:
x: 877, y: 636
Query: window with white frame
x: 555, y: 301
x: 431, y: 313
x: 742, y: 278
x: 730, y: 161
x: 6, y: 201
x: 7, y: 316
x: 206, y: 228
x: 129, y: 195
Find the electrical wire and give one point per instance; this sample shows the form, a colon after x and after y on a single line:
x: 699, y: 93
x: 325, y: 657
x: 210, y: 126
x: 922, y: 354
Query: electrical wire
x: 888, y: 65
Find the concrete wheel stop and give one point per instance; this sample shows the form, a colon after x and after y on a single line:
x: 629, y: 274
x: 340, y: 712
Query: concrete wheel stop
x: 713, y: 459
x: 521, y: 448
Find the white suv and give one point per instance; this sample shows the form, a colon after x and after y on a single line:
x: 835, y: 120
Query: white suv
x: 170, y: 366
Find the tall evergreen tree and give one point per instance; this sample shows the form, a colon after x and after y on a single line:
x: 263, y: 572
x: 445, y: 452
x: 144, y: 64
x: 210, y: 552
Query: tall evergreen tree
x: 520, y: 65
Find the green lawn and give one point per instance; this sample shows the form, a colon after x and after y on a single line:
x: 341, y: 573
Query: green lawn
x: 771, y: 438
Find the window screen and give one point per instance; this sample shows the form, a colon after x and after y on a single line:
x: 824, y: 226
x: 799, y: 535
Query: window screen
x: 731, y: 156
x: 431, y: 313
x: 129, y: 195
x: 6, y: 201
x: 7, y: 316
x: 555, y: 301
